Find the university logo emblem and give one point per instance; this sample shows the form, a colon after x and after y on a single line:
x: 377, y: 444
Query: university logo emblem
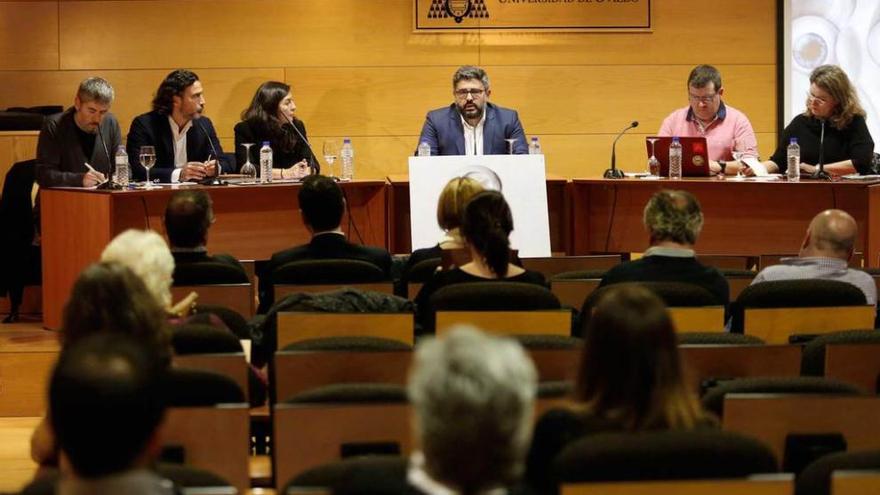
x: 458, y: 9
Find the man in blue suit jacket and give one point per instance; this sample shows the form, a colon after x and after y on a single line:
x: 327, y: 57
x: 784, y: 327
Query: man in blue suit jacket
x: 472, y: 125
x: 187, y: 147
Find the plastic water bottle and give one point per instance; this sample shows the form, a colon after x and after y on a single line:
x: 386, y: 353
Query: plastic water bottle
x: 266, y: 163
x: 122, y: 174
x: 424, y: 149
x: 347, y: 154
x: 793, y: 159
x: 675, y: 159
x: 535, y: 146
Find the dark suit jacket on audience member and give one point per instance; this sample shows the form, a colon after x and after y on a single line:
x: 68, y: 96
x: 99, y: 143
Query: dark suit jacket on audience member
x: 182, y: 258
x: 247, y: 132
x: 153, y: 128
x: 327, y: 245
x: 60, y: 157
x: 670, y: 269
x: 444, y: 132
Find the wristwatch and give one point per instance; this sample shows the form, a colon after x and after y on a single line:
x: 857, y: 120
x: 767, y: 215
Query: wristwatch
x: 723, y: 166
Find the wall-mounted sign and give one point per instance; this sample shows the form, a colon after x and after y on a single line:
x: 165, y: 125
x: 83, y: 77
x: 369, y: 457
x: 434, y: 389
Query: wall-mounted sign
x: 532, y: 15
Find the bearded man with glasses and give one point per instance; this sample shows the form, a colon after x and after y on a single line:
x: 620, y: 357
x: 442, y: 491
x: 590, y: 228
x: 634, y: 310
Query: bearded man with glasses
x: 726, y: 129
x: 471, y: 125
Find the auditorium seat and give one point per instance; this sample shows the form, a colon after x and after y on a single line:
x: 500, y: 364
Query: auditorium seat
x: 715, y: 399
x: 850, y: 356
x: 236, y: 297
x: 779, y: 484
x: 297, y: 326
x: 329, y: 274
x: 826, y: 474
x: 554, y: 265
x: 708, y: 365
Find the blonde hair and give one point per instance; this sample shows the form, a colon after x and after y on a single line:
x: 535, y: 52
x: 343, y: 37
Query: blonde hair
x: 673, y: 216
x: 834, y: 80
x: 453, y: 199
x: 145, y: 253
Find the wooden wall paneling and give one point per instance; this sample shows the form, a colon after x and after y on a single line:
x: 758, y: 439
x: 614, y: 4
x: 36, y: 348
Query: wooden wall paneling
x: 684, y: 32
x: 29, y: 35
x: 252, y: 33
x: 15, y: 146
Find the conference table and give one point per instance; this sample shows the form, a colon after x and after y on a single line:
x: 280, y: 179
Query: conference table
x: 742, y: 217
x: 252, y: 222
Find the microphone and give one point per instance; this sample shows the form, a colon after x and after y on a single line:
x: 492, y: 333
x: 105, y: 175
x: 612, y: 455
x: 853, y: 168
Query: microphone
x: 613, y: 172
x: 820, y: 172
x: 313, y: 162
x: 215, y: 179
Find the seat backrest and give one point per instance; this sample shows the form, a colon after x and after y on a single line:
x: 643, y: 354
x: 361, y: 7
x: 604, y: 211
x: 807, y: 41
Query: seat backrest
x: 327, y: 271
x: 772, y: 417
x: 493, y: 295
x: 297, y: 326
x: 777, y: 325
x: 309, y: 435
x: 534, y: 322
x: 237, y: 297
x: 858, y: 364
x: 213, y: 438
x: 705, y: 364
x: 714, y: 399
x: 294, y: 372
x: 232, y: 365
x: 198, y: 388
x: 697, y: 319
x: 821, y: 474
x: 366, y: 474
x: 208, y: 273
x: 815, y: 354
x: 662, y: 455
x: 673, y: 294
x: 855, y: 482
x: 728, y: 261
x: 554, y: 265
x: 573, y: 291
x: 737, y: 281
x: 781, y: 484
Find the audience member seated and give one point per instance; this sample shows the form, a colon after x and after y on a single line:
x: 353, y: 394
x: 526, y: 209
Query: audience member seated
x: 825, y: 252
x: 485, y: 226
x: 106, y: 298
x: 450, y: 207
x: 106, y: 405
x: 473, y: 398
x: 630, y: 379
x: 188, y: 216
x: 322, y: 204
x: 673, y: 220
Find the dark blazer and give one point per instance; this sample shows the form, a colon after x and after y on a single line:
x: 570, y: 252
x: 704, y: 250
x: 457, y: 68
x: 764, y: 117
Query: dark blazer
x: 153, y: 128
x: 249, y: 132
x: 444, y: 132
x: 322, y: 246
x: 60, y: 157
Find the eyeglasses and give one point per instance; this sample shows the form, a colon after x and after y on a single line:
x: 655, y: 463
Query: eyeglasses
x: 702, y: 99
x: 464, y: 92
x: 817, y: 99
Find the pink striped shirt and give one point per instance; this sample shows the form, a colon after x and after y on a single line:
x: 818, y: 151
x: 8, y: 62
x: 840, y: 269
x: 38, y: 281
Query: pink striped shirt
x: 730, y: 131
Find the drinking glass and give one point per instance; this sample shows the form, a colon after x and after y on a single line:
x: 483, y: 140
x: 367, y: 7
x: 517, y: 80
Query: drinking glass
x: 737, y: 157
x: 330, y: 152
x: 248, y: 169
x: 653, y: 162
x: 148, y: 159
x: 510, y: 145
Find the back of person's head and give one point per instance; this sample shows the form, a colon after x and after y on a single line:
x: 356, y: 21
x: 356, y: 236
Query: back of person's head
x: 188, y: 216
x: 321, y: 203
x: 630, y: 370
x: 105, y: 404
x: 486, y: 226
x: 173, y: 85
x: 473, y: 396
x: 110, y: 298
x: 702, y: 75
x: 833, y: 233
x: 147, y: 255
x: 673, y: 216
x: 95, y: 89
x: 453, y: 199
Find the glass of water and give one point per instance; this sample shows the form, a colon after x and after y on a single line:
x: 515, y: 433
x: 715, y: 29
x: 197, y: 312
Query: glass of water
x: 148, y: 159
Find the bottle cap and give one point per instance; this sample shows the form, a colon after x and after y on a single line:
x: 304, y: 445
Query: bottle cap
x: 265, y: 143
x: 346, y: 140
x: 674, y: 139
x: 793, y: 140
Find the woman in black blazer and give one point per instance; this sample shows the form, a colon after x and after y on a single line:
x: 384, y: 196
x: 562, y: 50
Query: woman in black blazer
x: 270, y: 118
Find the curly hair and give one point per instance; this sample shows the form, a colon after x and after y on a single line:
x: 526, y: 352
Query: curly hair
x: 673, y: 216
x: 174, y: 85
x: 834, y: 80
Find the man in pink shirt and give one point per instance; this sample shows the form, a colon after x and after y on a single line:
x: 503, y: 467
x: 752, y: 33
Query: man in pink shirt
x: 725, y: 128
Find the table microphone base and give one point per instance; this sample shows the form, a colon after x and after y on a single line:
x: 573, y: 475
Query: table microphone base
x: 613, y: 173
x: 820, y: 174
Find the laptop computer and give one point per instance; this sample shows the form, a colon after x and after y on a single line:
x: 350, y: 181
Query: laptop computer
x: 694, y: 155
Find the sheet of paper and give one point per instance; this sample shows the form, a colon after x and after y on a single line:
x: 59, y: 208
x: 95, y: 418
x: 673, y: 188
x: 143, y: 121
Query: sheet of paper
x: 758, y: 167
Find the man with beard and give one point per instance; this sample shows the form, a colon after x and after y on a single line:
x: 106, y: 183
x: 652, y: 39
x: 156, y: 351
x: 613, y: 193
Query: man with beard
x: 472, y: 125
x: 186, y: 144
x: 84, y: 133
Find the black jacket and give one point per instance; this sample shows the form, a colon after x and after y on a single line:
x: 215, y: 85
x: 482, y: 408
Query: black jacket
x: 249, y: 132
x: 60, y: 157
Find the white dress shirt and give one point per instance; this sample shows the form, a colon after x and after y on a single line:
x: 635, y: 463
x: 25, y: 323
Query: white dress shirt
x: 178, y: 136
x: 473, y: 136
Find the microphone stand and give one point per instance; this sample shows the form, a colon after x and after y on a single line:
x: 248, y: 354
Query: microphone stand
x: 614, y: 172
x: 312, y: 160
x: 213, y: 180
x: 111, y: 166
x: 820, y: 173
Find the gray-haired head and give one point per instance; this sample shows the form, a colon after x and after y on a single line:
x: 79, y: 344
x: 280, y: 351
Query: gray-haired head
x: 473, y: 396
x: 470, y: 72
x: 673, y: 216
x: 95, y: 89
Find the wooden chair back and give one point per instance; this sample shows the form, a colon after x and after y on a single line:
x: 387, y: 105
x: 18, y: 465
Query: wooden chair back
x: 556, y: 365
x: 855, y: 482
x: 858, y: 364
x: 309, y: 435
x: 232, y: 365
x: 697, y: 319
x: 537, y: 322
x: 284, y: 290
x: 765, y: 485
x: 776, y: 325
x: 737, y: 284
x: 573, y: 292
x: 553, y: 265
x: 771, y: 417
x: 728, y: 261
x: 213, y: 438
x: 238, y: 297
x: 706, y: 362
x: 296, y: 326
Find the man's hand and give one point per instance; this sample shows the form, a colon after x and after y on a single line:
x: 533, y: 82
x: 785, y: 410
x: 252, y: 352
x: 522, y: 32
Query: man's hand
x: 193, y: 171
x: 91, y: 179
x: 211, y: 168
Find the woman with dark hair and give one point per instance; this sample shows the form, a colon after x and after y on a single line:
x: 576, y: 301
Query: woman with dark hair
x: 485, y: 227
x: 106, y: 297
x: 270, y: 118
x: 630, y: 379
